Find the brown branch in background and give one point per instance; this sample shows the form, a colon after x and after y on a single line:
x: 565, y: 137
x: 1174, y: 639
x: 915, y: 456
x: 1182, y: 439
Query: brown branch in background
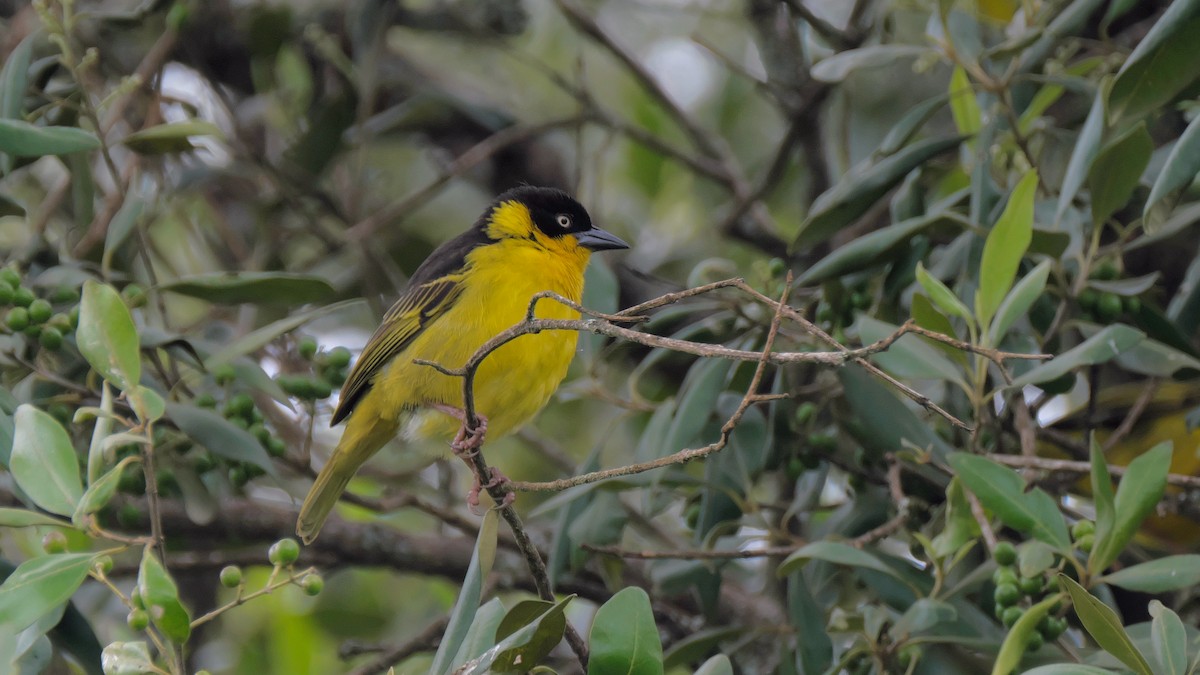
x: 1134, y: 414
x: 837, y: 39
x: 985, y: 525
x: 903, y: 508
x: 1082, y: 468
x: 691, y: 554
x: 426, y: 640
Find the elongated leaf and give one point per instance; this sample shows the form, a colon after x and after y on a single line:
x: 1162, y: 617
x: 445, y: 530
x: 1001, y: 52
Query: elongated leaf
x: 1163, y: 64
x: 481, y: 636
x: 835, y: 68
x: 963, y: 105
x: 101, y: 491
x: 1087, y: 144
x: 1127, y: 287
x: 161, y: 598
x: 1102, y: 493
x: 1002, y: 490
x: 1068, y: 669
x: 1104, y: 627
x: 483, y: 664
x: 255, y: 340
x: 122, y: 225
x: 1017, y: 640
x: 22, y: 139
x: 220, y: 436
x: 624, y: 638
x: 1018, y: 301
x: 107, y: 337
x: 127, y: 658
x: 40, y: 585
x: 1181, y: 166
x: 22, y: 518
x: 1116, y: 171
x: 14, y: 78
x: 942, y: 296
x: 717, y: 665
x: 1169, y: 639
x: 468, y: 597
x: 835, y: 552
x: 43, y: 461
x: 1005, y: 246
x: 904, y: 130
x: 1171, y: 573
x: 863, y: 186
x: 867, y: 250
x: 1137, y: 495
x: 169, y: 137
x: 539, y: 645
x: 1100, y: 348
x: 281, y: 288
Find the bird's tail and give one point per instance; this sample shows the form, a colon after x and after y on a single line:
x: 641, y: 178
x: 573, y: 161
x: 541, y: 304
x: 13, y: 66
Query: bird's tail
x: 358, y: 443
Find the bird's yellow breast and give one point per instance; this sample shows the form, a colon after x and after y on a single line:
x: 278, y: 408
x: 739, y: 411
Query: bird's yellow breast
x: 517, y: 379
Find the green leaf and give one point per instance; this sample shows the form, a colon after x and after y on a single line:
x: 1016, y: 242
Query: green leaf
x: 1034, y: 557
x: 483, y: 664
x: 255, y: 340
x: 703, y: 384
x: 262, y: 288
x: 147, y: 403
x: 834, y: 552
x: 1005, y: 246
x: 169, y: 137
x: 1002, y: 490
x: 705, y: 641
x: 39, y: 586
x: 1087, y: 144
x: 1169, y: 639
x: 943, y: 298
x: 1018, y: 301
x: 1116, y: 171
x: 101, y: 491
x: 161, y: 598
x: 863, y: 186
x: 1102, y: 493
x: 916, y: 117
x: 923, y: 615
x: 107, y: 337
x: 1099, y: 348
x: 469, y: 596
x: 963, y: 105
x: 1126, y: 287
x: 123, y: 224
x: 481, y: 636
x: 835, y: 68
x: 1180, y: 169
x: 1164, y: 63
x: 1068, y: 669
x: 1017, y: 640
x: 717, y: 665
x: 548, y: 634
x: 1102, y: 624
x: 22, y: 139
x: 23, y: 518
x: 128, y: 658
x: 961, y: 526
x: 220, y: 436
x: 43, y: 461
x: 624, y: 638
x: 14, y: 78
x: 1137, y: 495
x: 1172, y: 573
x: 868, y: 250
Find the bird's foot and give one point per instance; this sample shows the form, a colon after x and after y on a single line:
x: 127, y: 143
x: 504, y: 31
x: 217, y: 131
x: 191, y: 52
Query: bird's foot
x: 467, y: 442
x: 496, y: 480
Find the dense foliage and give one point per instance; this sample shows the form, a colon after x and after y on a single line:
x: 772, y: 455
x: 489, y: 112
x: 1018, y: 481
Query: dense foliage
x: 928, y: 270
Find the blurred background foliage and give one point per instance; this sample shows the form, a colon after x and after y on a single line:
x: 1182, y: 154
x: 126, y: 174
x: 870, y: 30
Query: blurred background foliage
x: 1016, y: 175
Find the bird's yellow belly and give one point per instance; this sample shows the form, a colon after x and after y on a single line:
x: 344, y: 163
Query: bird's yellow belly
x: 515, y: 381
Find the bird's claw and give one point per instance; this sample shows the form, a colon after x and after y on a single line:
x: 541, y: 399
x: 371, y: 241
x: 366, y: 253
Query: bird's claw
x: 497, y: 479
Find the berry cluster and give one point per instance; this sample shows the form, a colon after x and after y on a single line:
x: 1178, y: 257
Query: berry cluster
x: 1014, y: 591
x: 329, y: 369
x: 35, y: 316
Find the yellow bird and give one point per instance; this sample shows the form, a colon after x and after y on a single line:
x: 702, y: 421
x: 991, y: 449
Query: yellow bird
x: 470, y: 289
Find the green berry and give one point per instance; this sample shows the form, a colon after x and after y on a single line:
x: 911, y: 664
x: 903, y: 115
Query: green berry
x: 1108, y: 307
x: 276, y: 447
x: 1031, y: 586
x: 1133, y: 304
x: 1006, y: 595
x: 795, y: 468
x: 860, y: 300
x: 283, y: 552
x: 204, y: 462
x: 1052, y: 628
x: 33, y: 330
x: 128, y: 515
x: 239, y: 405
x: 134, y: 295
x: 909, y: 655
x: 23, y: 297
x: 54, y: 542
x: 135, y: 598
x: 1036, y: 641
x: 62, y: 295
x: 61, y: 412
x: 321, y: 388
x: 312, y: 583
x: 1086, y: 542
x: 231, y: 576
x: 336, y: 377
x: 238, y: 476
x: 1106, y: 271
x: 1004, y: 575
x: 307, y: 348
x: 1087, y: 298
x: 224, y: 374
x: 338, y: 357
x: 11, y: 276
x: 137, y: 619
x: 205, y: 400
x: 805, y: 412
x: 1011, y: 615
x: 296, y: 385
x: 260, y: 432
x: 1082, y: 528
x: 822, y: 443
x: 73, y: 315
x: 103, y: 564
x: 692, y: 516
x: 6, y: 294
x: 40, y: 311
x: 17, y: 319
x: 1005, y: 553
x: 51, y: 338
x: 62, y: 322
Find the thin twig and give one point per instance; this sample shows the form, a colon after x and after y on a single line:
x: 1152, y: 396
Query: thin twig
x: 1083, y: 468
x: 426, y: 640
x: 691, y: 554
x: 1134, y: 414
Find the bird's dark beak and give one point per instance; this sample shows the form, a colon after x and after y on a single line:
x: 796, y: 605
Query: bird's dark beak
x: 597, y: 239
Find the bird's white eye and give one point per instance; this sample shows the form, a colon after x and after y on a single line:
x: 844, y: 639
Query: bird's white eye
x: 563, y: 220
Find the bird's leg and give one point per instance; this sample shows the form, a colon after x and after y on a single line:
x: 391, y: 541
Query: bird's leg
x: 467, y: 442
x: 497, y: 479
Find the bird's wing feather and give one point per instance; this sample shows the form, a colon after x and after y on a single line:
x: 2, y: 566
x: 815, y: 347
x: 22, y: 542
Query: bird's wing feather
x: 432, y: 291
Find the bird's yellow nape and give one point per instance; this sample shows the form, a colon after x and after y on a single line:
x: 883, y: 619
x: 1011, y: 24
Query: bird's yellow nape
x: 510, y: 219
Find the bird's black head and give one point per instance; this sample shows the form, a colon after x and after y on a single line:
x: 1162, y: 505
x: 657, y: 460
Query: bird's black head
x: 555, y: 214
